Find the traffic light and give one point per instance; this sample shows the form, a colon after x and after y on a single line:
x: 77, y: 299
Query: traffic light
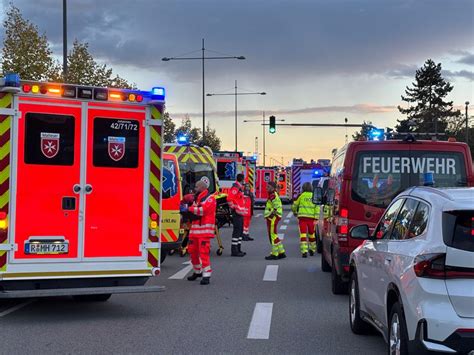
x: 272, y: 128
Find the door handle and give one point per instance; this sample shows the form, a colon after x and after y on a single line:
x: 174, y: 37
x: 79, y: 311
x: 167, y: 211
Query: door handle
x: 88, y: 189
x: 76, y: 188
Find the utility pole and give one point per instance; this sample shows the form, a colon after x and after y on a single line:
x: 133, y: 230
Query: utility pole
x: 264, y: 134
x: 64, y: 39
x: 467, y: 123
x: 203, y: 96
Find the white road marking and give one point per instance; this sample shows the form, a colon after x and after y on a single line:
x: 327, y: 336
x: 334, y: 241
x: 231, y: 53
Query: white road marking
x: 289, y: 215
x: 181, y: 274
x: 286, y: 221
x: 261, y: 321
x: 281, y: 236
x: 284, y: 227
x: 258, y: 215
x: 187, y: 262
x: 271, y: 273
x: 15, y: 308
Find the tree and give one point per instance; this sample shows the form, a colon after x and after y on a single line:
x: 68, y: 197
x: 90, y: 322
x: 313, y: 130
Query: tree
x: 25, y: 51
x: 195, y: 134
x: 211, y: 139
x: 84, y: 70
x: 427, y: 111
x: 169, y: 129
x: 364, y: 131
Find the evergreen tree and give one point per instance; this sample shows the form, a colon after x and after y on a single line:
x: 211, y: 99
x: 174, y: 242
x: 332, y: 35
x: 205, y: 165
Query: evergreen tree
x: 169, y: 129
x: 211, y: 139
x: 25, y: 51
x: 427, y: 111
x: 84, y: 70
x: 364, y: 131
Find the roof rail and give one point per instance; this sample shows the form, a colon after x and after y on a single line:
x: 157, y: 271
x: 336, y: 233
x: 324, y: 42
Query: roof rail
x: 433, y: 190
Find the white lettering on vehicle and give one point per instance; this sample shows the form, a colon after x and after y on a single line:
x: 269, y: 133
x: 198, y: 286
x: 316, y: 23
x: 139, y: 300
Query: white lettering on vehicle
x: 405, y: 165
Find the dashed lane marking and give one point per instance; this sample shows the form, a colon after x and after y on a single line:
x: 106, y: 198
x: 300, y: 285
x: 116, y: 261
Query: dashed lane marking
x: 258, y: 215
x: 261, y: 321
x: 281, y: 236
x: 181, y: 274
x: 289, y: 215
x: 15, y: 308
x: 284, y: 227
x: 286, y: 221
x: 271, y: 273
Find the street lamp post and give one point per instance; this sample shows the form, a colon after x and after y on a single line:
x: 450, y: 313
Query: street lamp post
x: 65, y: 39
x: 203, y: 58
x: 467, y: 123
x: 235, y: 94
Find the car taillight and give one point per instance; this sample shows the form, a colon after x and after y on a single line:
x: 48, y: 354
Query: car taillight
x: 434, y: 266
x: 343, y: 225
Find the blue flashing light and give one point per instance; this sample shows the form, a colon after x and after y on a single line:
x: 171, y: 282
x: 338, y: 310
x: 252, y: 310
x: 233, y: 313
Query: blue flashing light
x: 183, y: 139
x: 376, y: 134
x: 158, y: 93
x: 13, y: 80
x: 317, y: 172
x: 428, y: 179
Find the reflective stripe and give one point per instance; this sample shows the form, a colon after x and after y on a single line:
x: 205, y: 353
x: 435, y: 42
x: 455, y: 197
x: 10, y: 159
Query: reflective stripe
x: 200, y: 232
x: 197, y: 211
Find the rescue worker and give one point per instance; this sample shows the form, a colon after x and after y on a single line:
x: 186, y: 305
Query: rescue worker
x: 273, y: 213
x: 248, y: 204
x: 307, y: 213
x: 236, y: 204
x: 202, y: 231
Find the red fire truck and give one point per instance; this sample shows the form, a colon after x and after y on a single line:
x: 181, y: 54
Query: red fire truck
x: 80, y: 191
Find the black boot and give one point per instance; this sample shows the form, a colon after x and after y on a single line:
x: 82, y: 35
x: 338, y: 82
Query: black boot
x: 311, y: 253
x: 194, y: 276
x: 245, y: 238
x: 304, y: 255
x: 271, y: 257
x: 205, y: 281
x: 235, y: 251
x: 240, y: 249
x: 282, y: 256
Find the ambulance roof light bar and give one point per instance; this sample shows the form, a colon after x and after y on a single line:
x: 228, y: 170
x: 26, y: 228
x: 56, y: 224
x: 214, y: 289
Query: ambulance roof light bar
x: 183, y: 139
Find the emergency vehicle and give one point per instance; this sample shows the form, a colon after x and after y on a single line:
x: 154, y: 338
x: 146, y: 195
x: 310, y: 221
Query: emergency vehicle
x: 229, y: 164
x: 80, y: 194
x: 302, y: 172
x: 183, y: 166
x: 250, y: 167
x: 264, y: 175
x: 367, y: 175
x: 284, y: 185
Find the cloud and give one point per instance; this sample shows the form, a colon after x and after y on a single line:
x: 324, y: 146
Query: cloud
x: 402, y: 71
x: 352, y: 109
x: 467, y: 58
x: 290, y: 39
x: 465, y: 74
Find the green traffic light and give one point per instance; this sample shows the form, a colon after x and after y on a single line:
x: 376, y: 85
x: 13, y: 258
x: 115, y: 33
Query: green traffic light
x: 272, y: 130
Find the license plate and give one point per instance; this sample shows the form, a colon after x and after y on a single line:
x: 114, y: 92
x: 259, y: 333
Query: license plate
x: 44, y: 248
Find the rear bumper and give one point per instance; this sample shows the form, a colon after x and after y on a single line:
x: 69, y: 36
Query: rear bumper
x: 459, y: 342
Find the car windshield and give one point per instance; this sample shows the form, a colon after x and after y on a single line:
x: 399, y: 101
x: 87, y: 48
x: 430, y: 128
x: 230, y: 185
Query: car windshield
x: 379, y: 176
x: 193, y: 172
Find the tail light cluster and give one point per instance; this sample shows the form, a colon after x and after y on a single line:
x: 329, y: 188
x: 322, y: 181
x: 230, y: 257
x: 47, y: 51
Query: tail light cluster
x: 434, y: 266
x: 343, y: 225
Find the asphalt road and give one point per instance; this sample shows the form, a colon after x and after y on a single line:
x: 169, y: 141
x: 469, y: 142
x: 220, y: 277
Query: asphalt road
x: 297, y: 313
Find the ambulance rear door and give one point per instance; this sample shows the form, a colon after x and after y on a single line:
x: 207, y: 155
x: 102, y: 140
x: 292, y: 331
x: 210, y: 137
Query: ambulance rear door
x: 171, y: 198
x: 115, y: 181
x: 45, y: 210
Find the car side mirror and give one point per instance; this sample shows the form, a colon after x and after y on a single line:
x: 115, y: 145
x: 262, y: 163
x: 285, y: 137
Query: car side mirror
x: 330, y: 197
x: 318, y: 196
x: 360, y: 232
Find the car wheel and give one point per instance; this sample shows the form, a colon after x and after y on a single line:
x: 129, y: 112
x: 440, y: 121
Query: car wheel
x: 398, y: 335
x: 162, y: 256
x: 358, y: 325
x: 324, y: 264
x: 339, y: 287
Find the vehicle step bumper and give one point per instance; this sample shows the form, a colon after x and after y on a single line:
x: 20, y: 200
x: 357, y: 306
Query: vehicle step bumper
x: 79, y: 291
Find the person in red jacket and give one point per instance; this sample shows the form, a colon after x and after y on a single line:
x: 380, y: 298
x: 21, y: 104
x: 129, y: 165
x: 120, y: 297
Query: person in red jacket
x: 248, y: 204
x: 236, y: 204
x: 202, y: 231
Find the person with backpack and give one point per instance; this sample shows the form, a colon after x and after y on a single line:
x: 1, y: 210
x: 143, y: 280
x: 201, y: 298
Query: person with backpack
x: 307, y: 213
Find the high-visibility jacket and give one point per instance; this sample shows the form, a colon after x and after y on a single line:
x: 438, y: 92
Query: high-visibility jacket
x: 273, y: 206
x: 205, y: 208
x: 236, y: 199
x: 304, y: 206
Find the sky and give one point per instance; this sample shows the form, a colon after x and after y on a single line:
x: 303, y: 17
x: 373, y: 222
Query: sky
x: 319, y: 61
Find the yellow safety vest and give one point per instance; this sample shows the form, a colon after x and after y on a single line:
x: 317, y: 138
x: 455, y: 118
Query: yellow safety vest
x: 273, y: 205
x: 304, y: 206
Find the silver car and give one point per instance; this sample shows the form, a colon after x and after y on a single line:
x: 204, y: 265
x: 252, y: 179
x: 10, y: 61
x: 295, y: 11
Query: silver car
x: 413, y: 277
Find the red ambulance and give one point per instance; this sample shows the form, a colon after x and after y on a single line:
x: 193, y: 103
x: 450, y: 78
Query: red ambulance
x: 229, y: 164
x: 80, y: 192
x: 264, y: 175
x: 365, y: 177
